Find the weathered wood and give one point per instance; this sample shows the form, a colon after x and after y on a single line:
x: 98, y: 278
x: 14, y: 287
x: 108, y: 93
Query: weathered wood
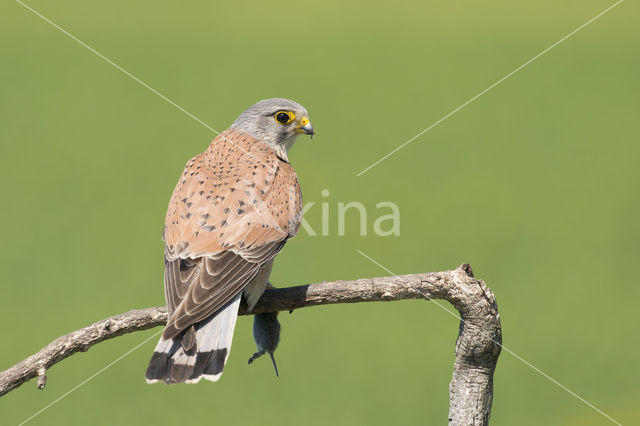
x: 477, y: 348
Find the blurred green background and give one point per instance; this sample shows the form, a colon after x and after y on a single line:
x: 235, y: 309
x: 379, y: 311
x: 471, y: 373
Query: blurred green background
x: 536, y: 184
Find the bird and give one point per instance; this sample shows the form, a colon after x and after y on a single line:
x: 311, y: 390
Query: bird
x: 233, y: 209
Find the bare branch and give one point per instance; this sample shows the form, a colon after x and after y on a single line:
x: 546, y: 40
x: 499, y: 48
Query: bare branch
x: 477, y: 348
x: 78, y: 341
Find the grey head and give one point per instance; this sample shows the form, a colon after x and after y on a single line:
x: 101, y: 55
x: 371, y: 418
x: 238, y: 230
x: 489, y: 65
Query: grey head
x: 276, y: 122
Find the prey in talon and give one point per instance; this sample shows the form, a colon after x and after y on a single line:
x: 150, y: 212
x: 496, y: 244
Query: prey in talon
x: 266, y: 333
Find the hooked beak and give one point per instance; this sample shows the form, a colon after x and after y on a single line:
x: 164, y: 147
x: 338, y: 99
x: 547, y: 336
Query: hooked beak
x: 305, y: 127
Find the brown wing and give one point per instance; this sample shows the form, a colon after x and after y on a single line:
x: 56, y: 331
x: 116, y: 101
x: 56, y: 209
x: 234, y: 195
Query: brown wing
x: 233, y: 209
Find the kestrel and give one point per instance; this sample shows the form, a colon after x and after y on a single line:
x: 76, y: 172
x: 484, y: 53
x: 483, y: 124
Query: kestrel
x: 233, y: 209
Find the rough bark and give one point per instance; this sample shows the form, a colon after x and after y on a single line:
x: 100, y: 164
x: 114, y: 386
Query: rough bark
x: 477, y: 348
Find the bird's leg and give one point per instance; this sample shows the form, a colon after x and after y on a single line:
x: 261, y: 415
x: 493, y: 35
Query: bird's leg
x: 271, y: 287
x: 256, y: 356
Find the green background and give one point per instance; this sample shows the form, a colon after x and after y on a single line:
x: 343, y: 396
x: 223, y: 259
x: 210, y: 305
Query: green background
x: 535, y: 184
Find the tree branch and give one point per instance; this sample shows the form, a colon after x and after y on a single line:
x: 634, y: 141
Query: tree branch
x: 477, y: 348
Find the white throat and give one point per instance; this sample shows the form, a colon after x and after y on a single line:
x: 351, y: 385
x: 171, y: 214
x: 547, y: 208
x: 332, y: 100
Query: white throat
x: 283, y: 148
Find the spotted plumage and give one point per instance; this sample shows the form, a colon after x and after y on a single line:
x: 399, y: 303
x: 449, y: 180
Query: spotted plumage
x: 231, y: 212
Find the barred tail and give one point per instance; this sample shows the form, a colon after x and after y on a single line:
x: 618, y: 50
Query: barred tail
x: 171, y: 363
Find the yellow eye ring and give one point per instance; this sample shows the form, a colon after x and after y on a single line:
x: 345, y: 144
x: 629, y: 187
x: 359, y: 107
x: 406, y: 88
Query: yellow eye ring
x: 284, y: 117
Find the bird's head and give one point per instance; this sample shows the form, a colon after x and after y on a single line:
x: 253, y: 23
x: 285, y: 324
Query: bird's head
x: 276, y: 122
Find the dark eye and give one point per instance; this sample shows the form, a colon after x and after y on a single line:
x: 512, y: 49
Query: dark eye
x: 284, y: 117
